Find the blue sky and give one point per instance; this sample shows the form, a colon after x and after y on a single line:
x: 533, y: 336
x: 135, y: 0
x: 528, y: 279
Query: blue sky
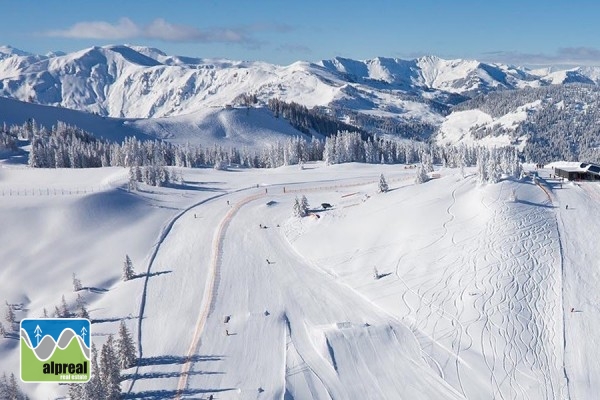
x: 515, y: 32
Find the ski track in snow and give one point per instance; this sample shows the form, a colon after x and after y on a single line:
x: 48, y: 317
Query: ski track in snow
x: 505, y: 301
x: 161, y: 238
x: 210, y: 290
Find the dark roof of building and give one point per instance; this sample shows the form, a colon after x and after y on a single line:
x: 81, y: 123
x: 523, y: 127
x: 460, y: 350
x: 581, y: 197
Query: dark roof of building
x: 582, y: 168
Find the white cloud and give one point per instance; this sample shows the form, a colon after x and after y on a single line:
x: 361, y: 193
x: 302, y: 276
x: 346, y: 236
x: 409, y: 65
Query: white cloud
x: 123, y: 29
x: 158, y: 29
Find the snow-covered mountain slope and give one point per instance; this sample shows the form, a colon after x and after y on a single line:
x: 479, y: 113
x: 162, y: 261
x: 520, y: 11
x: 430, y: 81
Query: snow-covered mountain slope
x: 547, y: 123
x: 229, y: 127
x: 124, y: 81
x: 14, y: 112
x: 466, y: 77
x: 472, y: 299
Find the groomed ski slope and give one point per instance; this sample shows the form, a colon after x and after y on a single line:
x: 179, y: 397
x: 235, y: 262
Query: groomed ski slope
x: 473, y: 299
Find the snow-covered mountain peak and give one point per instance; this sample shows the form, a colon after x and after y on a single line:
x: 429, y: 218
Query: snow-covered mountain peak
x: 9, y: 50
x: 56, y: 53
x: 127, y: 81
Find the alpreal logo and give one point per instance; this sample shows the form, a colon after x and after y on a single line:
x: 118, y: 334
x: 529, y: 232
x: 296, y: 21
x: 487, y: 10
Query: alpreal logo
x: 55, y: 350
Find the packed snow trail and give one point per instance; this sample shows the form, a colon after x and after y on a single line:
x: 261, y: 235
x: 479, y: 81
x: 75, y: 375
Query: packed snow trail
x: 163, y: 234
x: 286, y: 311
x: 211, y: 283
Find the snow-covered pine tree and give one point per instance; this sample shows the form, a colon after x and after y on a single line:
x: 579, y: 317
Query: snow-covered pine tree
x: 304, y: 205
x: 64, y: 309
x: 128, y: 272
x: 421, y: 175
x: 110, y: 373
x: 77, y: 392
x: 298, y: 209
x: 76, y: 283
x: 81, y: 307
x: 2, y: 334
x: 14, y: 391
x: 10, y: 316
x: 383, y: 186
x: 126, y: 347
x: 94, y: 388
x: 482, y: 156
x: 132, y: 184
x: 82, y: 312
x: 4, y: 394
x: 493, y: 167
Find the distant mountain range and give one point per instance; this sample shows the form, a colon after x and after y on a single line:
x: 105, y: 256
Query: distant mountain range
x: 380, y: 95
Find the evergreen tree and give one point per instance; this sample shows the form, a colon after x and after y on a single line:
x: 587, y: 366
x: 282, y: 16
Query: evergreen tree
x: 126, y: 348
x: 298, y: 209
x: 110, y: 373
x: 383, y: 186
x: 81, y: 307
x: 3, y: 333
x: 304, y: 205
x: 481, y: 165
x: 77, y: 392
x: 76, y: 283
x: 128, y: 272
x: 94, y: 388
x: 10, y: 316
x: 4, y: 393
x: 64, y: 309
x: 14, y: 391
x: 421, y: 175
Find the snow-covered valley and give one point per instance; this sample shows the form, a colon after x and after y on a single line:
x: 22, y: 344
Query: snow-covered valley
x: 445, y: 290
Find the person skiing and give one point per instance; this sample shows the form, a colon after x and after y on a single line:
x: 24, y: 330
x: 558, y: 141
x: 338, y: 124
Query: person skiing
x: 567, y: 207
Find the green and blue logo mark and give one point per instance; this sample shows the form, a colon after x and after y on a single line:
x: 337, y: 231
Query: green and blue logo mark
x: 55, y: 350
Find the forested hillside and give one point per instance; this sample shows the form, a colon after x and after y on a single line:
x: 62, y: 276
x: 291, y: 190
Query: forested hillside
x: 562, y: 121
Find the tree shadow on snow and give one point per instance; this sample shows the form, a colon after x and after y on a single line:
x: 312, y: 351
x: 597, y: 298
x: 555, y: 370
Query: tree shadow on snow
x: 171, y: 394
x: 180, y: 186
x: 151, y: 274
x: 11, y: 335
x: 96, y: 290
x: 156, y: 375
x: 103, y: 320
x: 530, y: 203
x: 164, y: 360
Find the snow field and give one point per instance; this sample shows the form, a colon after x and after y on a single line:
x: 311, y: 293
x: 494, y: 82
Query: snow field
x: 470, y: 300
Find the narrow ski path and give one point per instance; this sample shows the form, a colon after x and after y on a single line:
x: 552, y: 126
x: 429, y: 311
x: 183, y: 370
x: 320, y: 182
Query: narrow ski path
x: 210, y: 290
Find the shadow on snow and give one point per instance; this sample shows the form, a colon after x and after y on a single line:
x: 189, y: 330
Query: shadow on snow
x: 170, y: 394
